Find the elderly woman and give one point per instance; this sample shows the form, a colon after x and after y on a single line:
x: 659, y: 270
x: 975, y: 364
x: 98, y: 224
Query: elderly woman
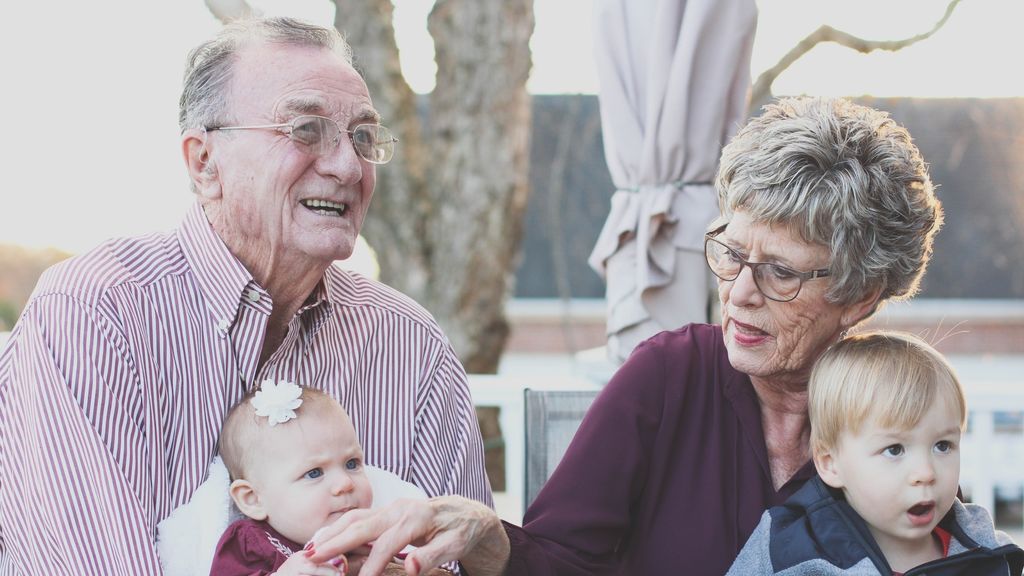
x: 827, y: 212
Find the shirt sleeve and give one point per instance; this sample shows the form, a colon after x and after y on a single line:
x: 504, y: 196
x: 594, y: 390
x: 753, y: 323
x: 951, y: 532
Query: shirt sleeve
x: 448, y: 453
x: 242, y: 552
x: 74, y: 485
x: 577, y: 523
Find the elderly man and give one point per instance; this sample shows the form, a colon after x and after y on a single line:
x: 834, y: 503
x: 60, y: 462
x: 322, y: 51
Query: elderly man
x: 116, y: 379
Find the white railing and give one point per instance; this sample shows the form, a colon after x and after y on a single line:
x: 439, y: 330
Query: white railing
x: 992, y: 458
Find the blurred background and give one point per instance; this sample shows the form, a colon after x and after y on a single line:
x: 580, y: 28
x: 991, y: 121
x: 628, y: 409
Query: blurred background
x: 91, y: 151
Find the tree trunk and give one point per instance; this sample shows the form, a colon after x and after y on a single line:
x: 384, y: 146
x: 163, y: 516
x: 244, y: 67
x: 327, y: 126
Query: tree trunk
x: 396, y: 222
x: 447, y: 229
x: 480, y: 112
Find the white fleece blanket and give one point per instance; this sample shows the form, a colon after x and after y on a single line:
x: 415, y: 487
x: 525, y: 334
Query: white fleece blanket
x: 187, y: 539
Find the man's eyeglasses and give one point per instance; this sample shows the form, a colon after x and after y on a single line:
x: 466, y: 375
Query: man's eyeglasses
x: 776, y: 282
x: 320, y: 136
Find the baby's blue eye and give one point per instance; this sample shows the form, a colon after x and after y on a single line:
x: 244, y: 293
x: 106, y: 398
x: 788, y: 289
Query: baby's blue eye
x: 943, y: 446
x: 894, y: 450
x: 314, y: 473
x: 352, y: 464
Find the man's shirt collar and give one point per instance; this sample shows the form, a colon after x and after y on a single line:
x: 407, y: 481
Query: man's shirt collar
x: 225, y: 283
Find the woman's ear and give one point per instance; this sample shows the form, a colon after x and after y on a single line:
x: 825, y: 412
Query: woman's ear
x: 857, y: 311
x: 247, y: 499
x: 195, y: 146
x: 827, y: 468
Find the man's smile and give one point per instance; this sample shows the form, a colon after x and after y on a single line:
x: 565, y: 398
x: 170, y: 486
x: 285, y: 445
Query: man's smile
x: 325, y: 207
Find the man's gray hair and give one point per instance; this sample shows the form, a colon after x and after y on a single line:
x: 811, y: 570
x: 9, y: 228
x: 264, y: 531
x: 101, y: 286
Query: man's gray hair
x: 843, y: 176
x: 209, y: 66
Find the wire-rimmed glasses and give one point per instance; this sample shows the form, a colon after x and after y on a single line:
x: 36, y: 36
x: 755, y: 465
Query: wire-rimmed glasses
x: 320, y: 136
x: 775, y: 281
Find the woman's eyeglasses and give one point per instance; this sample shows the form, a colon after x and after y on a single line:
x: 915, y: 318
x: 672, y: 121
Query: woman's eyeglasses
x: 776, y: 282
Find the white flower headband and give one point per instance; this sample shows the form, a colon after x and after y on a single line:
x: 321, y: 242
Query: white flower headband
x: 277, y: 401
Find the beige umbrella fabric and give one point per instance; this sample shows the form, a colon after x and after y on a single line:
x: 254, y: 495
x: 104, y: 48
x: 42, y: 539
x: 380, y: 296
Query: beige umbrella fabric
x: 674, y: 79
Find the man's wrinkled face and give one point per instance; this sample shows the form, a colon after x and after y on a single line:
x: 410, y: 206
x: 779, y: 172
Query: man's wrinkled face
x: 277, y: 200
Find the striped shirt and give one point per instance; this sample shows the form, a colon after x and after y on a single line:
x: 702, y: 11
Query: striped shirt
x: 117, y: 377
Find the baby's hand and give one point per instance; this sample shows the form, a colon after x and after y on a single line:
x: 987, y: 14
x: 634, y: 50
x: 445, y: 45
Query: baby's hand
x: 299, y: 564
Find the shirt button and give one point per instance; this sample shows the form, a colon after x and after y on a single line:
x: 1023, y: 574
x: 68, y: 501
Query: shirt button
x: 223, y: 325
x: 253, y: 295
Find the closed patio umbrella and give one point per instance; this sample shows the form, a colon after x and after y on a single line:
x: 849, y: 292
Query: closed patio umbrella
x: 674, y: 77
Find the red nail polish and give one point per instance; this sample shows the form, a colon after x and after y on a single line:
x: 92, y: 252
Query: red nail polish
x: 340, y: 562
x: 308, y: 546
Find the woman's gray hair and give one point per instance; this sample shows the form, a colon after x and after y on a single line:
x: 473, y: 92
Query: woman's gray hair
x: 843, y: 176
x: 209, y: 66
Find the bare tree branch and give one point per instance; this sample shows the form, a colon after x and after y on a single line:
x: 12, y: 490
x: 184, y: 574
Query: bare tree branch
x: 228, y: 10
x: 761, y: 90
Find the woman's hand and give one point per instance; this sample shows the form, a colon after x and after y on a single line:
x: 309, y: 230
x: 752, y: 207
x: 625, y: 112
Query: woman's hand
x: 444, y: 529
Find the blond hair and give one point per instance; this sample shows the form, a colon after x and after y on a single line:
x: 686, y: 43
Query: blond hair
x: 243, y: 429
x: 893, y: 377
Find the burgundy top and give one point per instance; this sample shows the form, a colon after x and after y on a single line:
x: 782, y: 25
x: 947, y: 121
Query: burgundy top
x: 668, y: 472
x: 251, y: 548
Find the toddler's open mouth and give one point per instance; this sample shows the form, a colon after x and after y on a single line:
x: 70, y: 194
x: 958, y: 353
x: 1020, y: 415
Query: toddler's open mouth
x: 922, y: 513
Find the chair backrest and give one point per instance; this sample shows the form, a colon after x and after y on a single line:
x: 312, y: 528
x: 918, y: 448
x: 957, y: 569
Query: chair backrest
x: 551, y: 420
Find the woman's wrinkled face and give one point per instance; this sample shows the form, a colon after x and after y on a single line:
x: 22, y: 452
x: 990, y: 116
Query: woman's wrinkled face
x: 769, y: 340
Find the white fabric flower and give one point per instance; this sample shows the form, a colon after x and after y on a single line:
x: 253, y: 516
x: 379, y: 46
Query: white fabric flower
x: 277, y: 401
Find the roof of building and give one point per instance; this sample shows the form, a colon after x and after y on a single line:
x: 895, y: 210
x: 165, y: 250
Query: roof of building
x: 974, y: 147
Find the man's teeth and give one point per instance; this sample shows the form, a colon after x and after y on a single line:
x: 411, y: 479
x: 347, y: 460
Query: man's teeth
x: 325, y: 207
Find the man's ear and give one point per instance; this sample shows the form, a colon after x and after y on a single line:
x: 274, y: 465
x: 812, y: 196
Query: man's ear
x: 828, y: 469
x: 195, y: 146
x: 854, y: 312
x: 247, y: 499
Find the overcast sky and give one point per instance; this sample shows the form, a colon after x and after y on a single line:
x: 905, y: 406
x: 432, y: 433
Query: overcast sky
x: 90, y: 88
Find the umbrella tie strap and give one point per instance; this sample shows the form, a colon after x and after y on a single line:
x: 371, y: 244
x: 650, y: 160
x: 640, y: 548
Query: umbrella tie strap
x: 679, y: 184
